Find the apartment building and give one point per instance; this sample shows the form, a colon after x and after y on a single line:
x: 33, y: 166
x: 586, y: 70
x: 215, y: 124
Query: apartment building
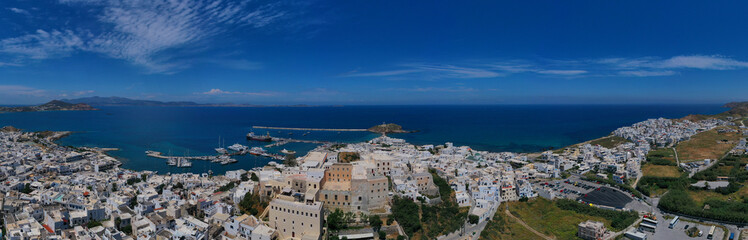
x: 295, y: 216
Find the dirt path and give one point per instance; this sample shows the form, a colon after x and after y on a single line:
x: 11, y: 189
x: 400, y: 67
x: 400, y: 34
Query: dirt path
x: 528, y: 227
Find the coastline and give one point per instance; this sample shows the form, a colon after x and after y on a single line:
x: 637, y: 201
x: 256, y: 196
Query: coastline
x: 112, y: 127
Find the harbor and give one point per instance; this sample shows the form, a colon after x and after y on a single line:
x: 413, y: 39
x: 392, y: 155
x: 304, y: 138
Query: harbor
x: 223, y: 159
x: 224, y: 154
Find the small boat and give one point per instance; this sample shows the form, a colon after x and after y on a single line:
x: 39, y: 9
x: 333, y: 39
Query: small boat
x: 255, y: 137
x: 256, y: 151
x: 238, y: 147
x: 221, y: 150
x: 228, y: 161
x: 183, y: 163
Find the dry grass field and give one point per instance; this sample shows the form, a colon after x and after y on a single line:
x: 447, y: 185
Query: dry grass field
x: 707, y: 145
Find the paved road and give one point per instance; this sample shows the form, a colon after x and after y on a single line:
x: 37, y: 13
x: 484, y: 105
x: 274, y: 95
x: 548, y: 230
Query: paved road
x: 471, y: 232
x: 676, y: 156
x: 730, y: 228
x: 613, y: 235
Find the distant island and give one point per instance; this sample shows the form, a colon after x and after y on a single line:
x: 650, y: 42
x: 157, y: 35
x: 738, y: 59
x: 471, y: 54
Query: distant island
x: 388, y: 128
x: 121, y: 101
x: 54, y: 105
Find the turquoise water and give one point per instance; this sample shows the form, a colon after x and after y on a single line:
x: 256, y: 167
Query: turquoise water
x: 196, y: 130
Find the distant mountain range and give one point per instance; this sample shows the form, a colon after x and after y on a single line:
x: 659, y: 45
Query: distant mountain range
x: 120, y: 101
x: 54, y: 105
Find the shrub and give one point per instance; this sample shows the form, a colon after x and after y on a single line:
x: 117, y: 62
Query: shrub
x: 619, y: 219
x: 473, y: 219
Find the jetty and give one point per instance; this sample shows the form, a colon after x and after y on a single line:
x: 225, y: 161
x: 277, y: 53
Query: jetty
x: 283, y: 141
x: 314, y: 129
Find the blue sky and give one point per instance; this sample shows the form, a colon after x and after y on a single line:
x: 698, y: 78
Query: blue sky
x: 375, y: 52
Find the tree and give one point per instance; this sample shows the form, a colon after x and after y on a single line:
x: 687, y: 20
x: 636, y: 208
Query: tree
x: 375, y: 222
x: 291, y: 162
x: 226, y: 187
x: 390, y: 219
x: 349, y: 217
x: 93, y: 224
x: 473, y: 219
x: 127, y: 229
x: 336, y: 220
x: 334, y: 237
x: 114, y: 187
x: 382, y: 235
x: 255, y: 178
x: 405, y: 211
x: 250, y: 203
x: 244, y: 177
x: 133, y: 202
x: 400, y: 237
x: 27, y: 188
x: 523, y: 199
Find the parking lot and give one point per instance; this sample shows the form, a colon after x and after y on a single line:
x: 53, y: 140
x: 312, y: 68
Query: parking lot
x: 679, y: 231
x: 569, y: 188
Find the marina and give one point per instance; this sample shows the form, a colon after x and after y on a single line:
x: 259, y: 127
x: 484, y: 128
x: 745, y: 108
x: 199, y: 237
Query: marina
x: 223, y: 159
x: 224, y: 154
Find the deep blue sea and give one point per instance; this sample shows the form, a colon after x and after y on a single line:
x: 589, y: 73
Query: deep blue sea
x: 196, y: 130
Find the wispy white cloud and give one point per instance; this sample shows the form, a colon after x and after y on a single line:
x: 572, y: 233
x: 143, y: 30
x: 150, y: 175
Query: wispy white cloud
x: 10, y: 64
x: 382, y: 73
x: 19, y: 90
x: 608, y: 67
x: 42, y: 44
x: 81, y: 93
x: 216, y: 91
x: 155, y: 34
x: 714, y: 62
x: 703, y: 62
x: 562, y: 72
x: 452, y: 71
x: 458, y: 89
x: 646, y: 73
x: 468, y: 71
x: 446, y: 89
x: 430, y: 71
x: 19, y: 11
